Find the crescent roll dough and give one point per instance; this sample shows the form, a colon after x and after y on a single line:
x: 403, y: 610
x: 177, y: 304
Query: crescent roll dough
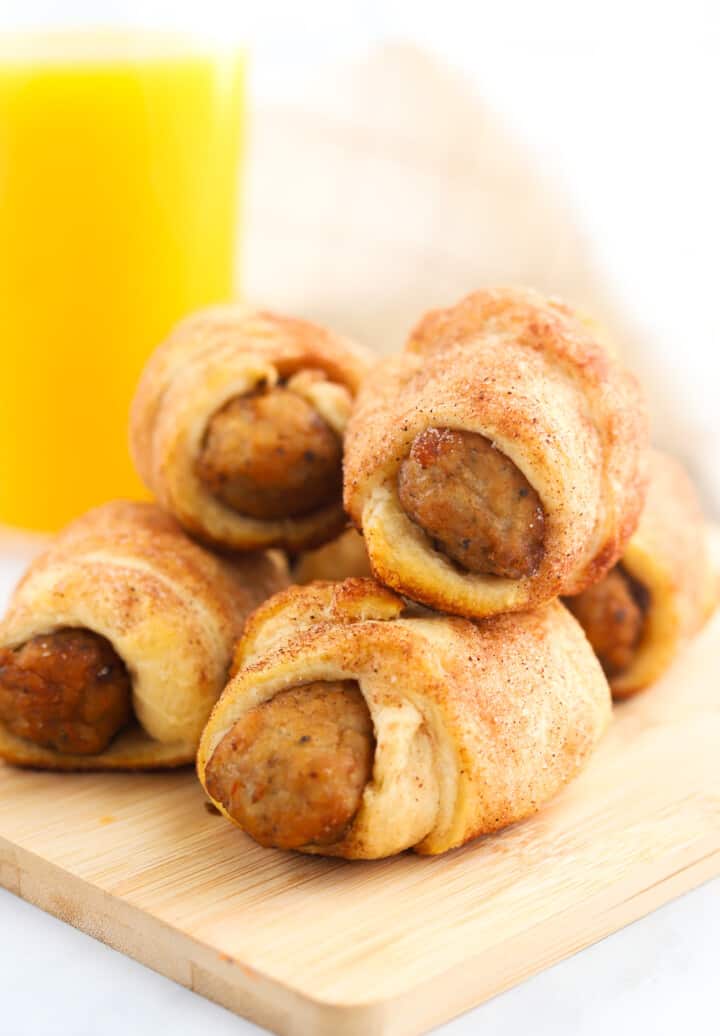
x: 283, y: 389
x: 126, y: 577
x: 500, y: 460
x: 641, y: 614
x: 340, y: 559
x: 475, y: 726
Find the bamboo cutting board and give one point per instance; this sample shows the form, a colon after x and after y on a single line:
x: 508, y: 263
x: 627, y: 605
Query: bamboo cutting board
x: 307, y: 946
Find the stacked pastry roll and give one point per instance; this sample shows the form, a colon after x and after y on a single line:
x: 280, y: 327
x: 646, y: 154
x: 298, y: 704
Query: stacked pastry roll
x: 118, y: 642
x: 500, y: 460
x: 237, y: 427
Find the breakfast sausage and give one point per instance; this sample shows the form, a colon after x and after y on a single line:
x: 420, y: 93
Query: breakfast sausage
x: 612, y: 613
x: 67, y: 690
x: 292, y: 770
x: 473, y: 502
x: 271, y: 455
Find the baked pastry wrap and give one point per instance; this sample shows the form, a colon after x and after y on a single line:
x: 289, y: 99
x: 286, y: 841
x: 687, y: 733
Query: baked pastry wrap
x: 523, y: 386
x: 214, y: 359
x: 672, y: 582
x: 342, y: 558
x: 169, y: 609
x: 476, y: 725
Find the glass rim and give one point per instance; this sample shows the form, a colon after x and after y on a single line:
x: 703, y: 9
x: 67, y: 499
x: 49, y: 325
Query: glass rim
x: 110, y: 43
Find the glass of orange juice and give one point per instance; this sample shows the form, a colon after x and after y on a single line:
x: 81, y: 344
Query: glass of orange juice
x: 119, y: 173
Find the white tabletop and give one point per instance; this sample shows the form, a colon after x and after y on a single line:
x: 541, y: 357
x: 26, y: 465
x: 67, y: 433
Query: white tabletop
x: 658, y: 976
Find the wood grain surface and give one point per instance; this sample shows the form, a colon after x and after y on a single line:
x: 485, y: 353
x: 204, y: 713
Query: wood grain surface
x: 303, y: 945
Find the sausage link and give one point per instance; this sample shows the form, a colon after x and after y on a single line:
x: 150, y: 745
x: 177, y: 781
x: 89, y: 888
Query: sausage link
x: 271, y: 455
x: 69, y: 691
x: 292, y: 770
x: 473, y: 502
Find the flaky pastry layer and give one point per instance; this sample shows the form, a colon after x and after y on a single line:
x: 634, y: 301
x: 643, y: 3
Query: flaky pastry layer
x: 476, y: 724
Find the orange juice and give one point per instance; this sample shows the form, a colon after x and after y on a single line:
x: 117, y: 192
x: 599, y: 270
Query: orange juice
x: 118, y: 185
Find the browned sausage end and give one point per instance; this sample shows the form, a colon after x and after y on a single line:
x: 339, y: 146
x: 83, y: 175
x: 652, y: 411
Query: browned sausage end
x: 292, y: 771
x: 68, y: 691
x: 270, y: 455
x: 612, y: 613
x: 473, y: 502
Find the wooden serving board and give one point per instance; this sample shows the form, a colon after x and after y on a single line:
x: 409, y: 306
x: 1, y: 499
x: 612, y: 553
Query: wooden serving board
x: 303, y: 945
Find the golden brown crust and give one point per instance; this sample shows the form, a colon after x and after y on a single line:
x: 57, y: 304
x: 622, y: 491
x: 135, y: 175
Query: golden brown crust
x: 353, y: 600
x: 669, y: 557
x: 209, y: 359
x: 476, y: 724
x: 342, y: 558
x: 527, y: 374
x: 170, y: 609
x: 132, y: 750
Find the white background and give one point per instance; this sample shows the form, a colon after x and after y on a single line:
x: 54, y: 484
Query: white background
x: 618, y: 101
